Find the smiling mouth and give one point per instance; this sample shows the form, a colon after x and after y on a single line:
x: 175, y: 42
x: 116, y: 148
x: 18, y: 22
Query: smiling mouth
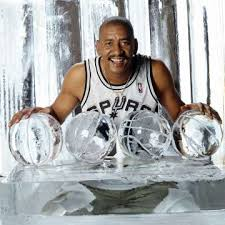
x: 118, y: 60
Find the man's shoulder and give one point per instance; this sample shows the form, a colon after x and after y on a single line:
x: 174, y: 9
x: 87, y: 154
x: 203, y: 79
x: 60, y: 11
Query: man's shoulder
x: 156, y: 64
x: 76, y: 73
x: 81, y: 65
x: 160, y: 72
x: 77, y: 66
x: 142, y: 59
x: 151, y: 59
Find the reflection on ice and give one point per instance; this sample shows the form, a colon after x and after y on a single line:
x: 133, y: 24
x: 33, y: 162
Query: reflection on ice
x: 87, y: 198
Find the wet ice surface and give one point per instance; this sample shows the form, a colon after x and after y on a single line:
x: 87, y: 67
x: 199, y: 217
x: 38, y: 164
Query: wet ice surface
x: 168, y: 169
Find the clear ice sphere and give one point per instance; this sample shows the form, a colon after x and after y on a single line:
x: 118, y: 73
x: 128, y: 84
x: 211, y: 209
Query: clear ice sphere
x: 36, y: 140
x: 144, y: 134
x: 90, y: 137
x: 195, y: 135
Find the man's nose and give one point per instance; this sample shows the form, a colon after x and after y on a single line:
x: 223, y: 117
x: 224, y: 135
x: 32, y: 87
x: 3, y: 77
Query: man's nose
x: 118, y: 49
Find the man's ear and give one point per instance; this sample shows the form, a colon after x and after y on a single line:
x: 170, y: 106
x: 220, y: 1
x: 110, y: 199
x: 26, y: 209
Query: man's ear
x: 135, y: 46
x: 97, y: 47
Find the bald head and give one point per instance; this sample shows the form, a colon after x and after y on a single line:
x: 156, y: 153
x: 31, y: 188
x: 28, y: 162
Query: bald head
x: 117, y: 20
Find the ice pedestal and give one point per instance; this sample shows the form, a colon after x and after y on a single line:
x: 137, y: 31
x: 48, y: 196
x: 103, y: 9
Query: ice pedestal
x: 77, y: 198
x: 169, y: 185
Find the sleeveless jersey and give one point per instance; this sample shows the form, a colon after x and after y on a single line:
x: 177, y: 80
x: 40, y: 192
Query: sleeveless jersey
x: 136, y: 94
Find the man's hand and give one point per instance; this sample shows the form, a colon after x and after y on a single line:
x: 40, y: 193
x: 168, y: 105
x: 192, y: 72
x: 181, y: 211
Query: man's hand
x: 26, y: 113
x: 203, y: 108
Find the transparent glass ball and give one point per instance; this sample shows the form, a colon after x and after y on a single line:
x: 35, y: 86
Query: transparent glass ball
x: 36, y: 140
x: 144, y: 134
x: 195, y: 135
x: 90, y: 137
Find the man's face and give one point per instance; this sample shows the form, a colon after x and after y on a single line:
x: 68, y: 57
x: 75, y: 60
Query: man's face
x: 116, y: 46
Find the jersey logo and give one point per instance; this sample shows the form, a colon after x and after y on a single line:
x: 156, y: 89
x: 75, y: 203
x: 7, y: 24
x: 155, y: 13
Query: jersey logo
x: 140, y: 88
x: 118, y: 104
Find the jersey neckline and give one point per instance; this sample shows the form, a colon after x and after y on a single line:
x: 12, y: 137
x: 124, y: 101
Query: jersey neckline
x: 114, y: 86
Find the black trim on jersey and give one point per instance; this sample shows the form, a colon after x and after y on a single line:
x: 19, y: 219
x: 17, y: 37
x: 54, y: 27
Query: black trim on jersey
x: 85, y: 82
x: 114, y: 86
x: 86, y: 93
x: 98, y: 65
x: 150, y: 76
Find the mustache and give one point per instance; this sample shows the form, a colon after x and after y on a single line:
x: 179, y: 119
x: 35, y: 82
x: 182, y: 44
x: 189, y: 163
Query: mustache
x: 117, y: 56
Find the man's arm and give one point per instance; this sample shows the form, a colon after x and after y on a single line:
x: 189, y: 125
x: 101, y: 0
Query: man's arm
x: 70, y: 95
x: 71, y: 92
x: 168, y: 97
x: 165, y: 89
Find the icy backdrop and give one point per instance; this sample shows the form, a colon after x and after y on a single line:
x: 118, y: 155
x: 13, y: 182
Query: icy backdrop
x: 40, y: 40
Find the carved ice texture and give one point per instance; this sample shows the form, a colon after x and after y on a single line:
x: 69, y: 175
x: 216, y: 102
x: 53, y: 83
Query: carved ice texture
x: 196, y: 135
x: 36, y: 140
x: 144, y: 134
x: 90, y: 137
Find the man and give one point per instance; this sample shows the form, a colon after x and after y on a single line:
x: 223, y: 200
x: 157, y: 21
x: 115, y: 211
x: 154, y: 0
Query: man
x: 115, y: 83
x: 118, y: 81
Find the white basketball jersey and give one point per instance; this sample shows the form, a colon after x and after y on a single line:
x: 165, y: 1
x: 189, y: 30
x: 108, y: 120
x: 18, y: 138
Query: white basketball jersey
x: 119, y: 100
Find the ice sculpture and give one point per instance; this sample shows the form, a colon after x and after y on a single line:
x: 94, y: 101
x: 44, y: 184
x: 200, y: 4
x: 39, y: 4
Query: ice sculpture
x: 144, y: 134
x: 36, y: 140
x: 195, y: 135
x: 90, y: 136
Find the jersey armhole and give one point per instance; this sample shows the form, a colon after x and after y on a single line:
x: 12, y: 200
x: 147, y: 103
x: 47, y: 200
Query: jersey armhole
x: 87, y: 83
x: 150, y: 80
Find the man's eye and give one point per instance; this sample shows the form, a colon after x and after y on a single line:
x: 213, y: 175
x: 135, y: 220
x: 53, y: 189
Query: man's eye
x: 108, y: 44
x: 125, y: 43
